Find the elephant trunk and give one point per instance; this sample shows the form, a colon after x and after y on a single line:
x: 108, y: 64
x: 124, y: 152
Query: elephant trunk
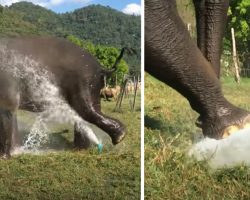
x: 211, y: 17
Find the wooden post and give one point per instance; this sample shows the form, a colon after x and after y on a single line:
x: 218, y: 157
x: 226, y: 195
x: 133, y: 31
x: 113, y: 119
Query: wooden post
x: 136, y: 87
x: 236, y: 64
x: 189, y: 27
x: 121, y: 95
x: 105, y: 81
x: 115, y: 79
x: 134, y: 80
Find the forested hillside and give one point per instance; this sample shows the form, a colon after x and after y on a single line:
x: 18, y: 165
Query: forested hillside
x: 98, y: 24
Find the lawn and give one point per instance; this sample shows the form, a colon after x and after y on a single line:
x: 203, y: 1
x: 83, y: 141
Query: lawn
x: 69, y: 174
x: 169, y: 132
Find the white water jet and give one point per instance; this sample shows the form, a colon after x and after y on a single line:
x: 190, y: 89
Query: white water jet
x: 42, y: 89
x: 231, y: 151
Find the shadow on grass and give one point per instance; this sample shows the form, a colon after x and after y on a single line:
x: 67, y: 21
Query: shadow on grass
x: 153, y: 123
x: 58, y: 141
x: 170, y: 128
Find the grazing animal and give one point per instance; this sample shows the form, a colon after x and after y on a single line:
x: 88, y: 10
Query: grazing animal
x: 109, y: 92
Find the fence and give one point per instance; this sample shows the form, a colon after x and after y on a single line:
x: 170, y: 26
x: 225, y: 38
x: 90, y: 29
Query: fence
x: 245, y: 73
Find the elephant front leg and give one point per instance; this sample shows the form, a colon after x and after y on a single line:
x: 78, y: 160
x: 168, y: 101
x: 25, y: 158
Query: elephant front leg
x: 90, y: 111
x: 115, y: 129
x: 112, y: 127
x: 8, y: 127
x: 172, y: 57
x: 211, y: 18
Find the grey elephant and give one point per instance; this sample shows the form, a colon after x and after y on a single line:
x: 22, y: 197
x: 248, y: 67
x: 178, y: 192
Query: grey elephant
x: 172, y: 56
x: 76, y: 73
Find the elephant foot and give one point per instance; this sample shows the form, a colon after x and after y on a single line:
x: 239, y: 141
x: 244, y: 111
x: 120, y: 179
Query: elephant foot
x: 118, y: 136
x: 235, y: 128
x: 225, y: 126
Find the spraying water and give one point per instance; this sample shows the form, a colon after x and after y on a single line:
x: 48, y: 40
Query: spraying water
x: 43, y: 90
x: 231, y: 151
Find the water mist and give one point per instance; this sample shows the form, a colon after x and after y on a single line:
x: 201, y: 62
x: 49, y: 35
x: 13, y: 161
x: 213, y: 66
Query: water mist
x: 43, y: 90
x: 231, y: 151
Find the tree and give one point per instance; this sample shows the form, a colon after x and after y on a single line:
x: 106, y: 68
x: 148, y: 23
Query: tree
x: 1, y: 9
x: 239, y: 19
x: 105, y: 55
x: 98, y: 24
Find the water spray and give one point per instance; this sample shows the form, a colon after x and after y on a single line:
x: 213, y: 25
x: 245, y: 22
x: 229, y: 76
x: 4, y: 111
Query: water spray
x: 227, y: 152
x: 42, y: 88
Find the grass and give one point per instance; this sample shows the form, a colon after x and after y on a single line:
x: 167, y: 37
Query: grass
x: 169, y: 131
x: 69, y: 174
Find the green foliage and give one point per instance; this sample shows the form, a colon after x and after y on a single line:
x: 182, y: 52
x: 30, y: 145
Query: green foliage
x: 239, y: 19
x: 45, y: 20
x: 103, y: 25
x: 98, y: 24
x: 1, y: 9
x: 11, y: 24
x: 105, y: 55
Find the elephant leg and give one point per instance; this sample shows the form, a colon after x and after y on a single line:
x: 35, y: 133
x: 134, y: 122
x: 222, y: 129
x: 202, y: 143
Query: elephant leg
x: 7, y: 129
x: 9, y: 102
x: 172, y: 57
x: 80, y: 139
x: 90, y: 111
x: 16, y: 136
x: 211, y: 18
x: 200, y: 11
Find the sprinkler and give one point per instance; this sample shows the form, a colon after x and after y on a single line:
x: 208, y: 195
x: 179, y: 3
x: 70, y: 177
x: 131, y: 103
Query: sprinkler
x: 100, y: 147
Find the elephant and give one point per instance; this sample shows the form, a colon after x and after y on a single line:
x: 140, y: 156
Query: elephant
x: 75, y: 72
x: 192, y: 69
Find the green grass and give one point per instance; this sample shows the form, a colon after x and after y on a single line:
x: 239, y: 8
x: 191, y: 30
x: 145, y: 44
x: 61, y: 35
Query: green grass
x: 69, y: 174
x: 169, y: 131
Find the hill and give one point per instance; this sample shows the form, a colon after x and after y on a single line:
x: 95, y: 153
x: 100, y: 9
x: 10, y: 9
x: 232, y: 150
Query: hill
x: 96, y: 23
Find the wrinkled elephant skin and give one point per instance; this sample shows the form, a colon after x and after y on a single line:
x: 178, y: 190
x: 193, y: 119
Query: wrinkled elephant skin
x: 172, y: 57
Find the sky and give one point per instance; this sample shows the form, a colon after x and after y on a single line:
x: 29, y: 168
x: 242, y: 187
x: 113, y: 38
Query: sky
x: 61, y: 6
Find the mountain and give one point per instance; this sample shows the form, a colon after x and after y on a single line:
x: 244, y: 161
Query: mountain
x: 45, y: 21
x: 99, y: 24
x: 96, y: 23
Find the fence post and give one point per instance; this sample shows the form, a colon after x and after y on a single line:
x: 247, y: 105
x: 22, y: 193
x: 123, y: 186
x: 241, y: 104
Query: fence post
x: 120, y: 98
x: 236, y: 64
x: 136, y: 87
x: 105, y: 81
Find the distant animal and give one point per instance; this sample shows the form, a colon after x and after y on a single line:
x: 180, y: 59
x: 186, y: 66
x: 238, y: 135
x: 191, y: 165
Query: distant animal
x: 139, y: 86
x: 130, y: 88
x: 78, y: 76
x: 109, y: 92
